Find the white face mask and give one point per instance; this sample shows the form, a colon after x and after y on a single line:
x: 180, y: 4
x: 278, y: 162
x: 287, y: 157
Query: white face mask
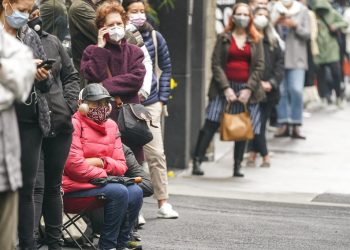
x: 130, y: 27
x: 241, y: 21
x: 261, y: 22
x: 116, y: 33
x: 138, y: 19
x: 287, y: 2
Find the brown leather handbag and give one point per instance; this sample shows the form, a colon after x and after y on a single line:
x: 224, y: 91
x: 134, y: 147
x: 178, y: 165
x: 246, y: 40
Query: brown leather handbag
x: 236, y: 127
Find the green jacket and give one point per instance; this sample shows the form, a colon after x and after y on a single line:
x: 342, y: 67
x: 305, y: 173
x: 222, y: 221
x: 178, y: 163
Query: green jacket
x: 327, y: 43
x: 219, y: 81
x: 82, y: 28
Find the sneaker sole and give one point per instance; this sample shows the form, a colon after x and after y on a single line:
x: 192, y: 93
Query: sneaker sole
x: 166, y: 217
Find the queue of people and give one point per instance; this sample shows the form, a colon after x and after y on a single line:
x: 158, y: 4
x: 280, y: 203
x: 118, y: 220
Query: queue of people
x: 68, y: 120
x: 301, y: 43
x: 67, y: 110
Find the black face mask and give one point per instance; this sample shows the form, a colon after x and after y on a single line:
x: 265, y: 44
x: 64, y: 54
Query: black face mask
x: 321, y: 12
x: 37, y: 25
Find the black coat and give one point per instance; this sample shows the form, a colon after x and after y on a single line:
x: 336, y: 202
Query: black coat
x: 274, y: 69
x: 28, y: 112
x: 135, y: 170
x: 63, y: 95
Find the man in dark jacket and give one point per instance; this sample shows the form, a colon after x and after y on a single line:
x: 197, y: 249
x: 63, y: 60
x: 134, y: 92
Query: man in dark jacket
x: 81, y: 17
x: 54, y: 15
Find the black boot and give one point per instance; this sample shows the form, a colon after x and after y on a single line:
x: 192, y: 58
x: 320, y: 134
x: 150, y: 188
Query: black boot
x: 238, y: 158
x: 205, y: 136
x: 196, y: 169
x: 236, y: 169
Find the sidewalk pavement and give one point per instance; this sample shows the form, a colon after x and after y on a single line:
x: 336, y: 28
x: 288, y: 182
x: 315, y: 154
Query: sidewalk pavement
x: 302, y: 171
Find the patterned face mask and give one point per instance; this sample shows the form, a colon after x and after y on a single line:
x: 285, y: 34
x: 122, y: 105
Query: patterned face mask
x: 98, y: 114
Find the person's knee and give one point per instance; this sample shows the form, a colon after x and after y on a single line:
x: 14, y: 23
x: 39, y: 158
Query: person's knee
x: 210, y: 126
x: 135, y: 197
x: 135, y: 193
x: 116, y: 191
x: 53, y: 191
x: 156, y: 154
x: 297, y: 91
x: 26, y: 192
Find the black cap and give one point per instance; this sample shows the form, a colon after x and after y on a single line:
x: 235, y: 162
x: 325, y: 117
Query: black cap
x: 94, y: 92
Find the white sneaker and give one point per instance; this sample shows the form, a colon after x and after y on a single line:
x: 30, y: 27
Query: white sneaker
x: 340, y: 103
x: 167, y: 212
x: 142, y: 220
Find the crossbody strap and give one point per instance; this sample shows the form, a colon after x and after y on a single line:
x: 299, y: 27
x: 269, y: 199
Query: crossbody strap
x: 155, y: 66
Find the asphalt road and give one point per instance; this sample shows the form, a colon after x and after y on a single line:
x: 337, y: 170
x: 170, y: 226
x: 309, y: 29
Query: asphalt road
x: 210, y: 223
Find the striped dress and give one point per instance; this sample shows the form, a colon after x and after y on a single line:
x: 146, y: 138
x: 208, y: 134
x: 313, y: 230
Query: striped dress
x: 217, y: 106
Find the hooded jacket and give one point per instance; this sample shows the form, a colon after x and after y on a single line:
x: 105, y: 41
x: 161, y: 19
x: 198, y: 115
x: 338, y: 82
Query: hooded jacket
x: 326, y: 40
x: 92, y: 140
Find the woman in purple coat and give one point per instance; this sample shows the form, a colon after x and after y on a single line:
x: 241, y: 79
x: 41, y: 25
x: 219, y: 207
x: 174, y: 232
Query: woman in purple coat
x: 114, y: 62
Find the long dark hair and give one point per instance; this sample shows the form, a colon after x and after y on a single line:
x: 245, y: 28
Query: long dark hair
x: 127, y: 3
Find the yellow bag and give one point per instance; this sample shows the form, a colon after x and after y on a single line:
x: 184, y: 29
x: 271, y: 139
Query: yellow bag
x: 236, y: 127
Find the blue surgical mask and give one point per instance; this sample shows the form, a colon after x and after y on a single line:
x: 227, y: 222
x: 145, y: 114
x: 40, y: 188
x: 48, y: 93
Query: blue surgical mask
x: 17, y: 19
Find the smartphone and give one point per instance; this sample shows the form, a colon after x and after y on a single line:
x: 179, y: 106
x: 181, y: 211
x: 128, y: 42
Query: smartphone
x: 106, y: 36
x: 47, y: 64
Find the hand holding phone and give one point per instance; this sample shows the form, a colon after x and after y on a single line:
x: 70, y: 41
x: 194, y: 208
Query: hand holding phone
x: 102, y: 37
x: 47, y: 64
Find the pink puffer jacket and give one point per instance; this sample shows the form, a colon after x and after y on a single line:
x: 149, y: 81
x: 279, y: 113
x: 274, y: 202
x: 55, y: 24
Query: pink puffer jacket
x: 92, y: 140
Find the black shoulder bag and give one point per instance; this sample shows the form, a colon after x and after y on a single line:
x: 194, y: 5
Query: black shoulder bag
x: 132, y: 121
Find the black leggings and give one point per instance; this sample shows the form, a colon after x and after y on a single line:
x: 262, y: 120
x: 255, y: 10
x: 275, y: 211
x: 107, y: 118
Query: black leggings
x: 208, y: 132
x: 31, y: 140
x: 47, y: 192
x: 258, y: 144
x: 324, y: 87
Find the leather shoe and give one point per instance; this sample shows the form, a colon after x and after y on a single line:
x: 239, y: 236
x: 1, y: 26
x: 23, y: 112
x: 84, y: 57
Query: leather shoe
x: 296, y: 135
x: 282, y: 132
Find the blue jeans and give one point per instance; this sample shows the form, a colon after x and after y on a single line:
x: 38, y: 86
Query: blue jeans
x: 120, y: 212
x: 290, y: 107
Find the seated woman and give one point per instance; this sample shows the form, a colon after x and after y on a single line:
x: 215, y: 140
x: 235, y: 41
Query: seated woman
x: 97, y: 152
